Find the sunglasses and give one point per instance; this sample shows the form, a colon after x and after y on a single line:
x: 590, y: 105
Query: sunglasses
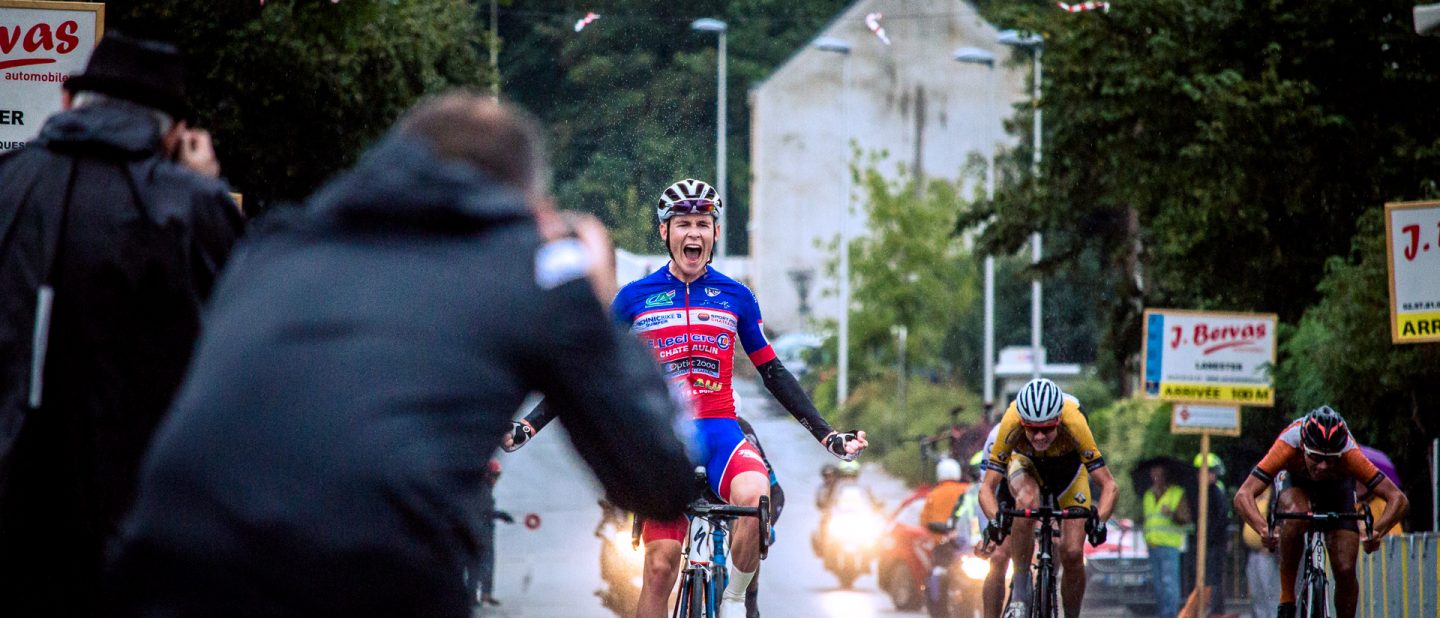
x: 693, y: 207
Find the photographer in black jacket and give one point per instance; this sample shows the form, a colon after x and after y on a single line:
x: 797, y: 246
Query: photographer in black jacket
x: 364, y: 356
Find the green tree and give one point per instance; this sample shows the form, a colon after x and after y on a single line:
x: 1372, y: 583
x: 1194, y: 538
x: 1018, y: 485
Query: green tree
x: 1341, y: 355
x: 1215, y: 154
x: 294, y: 90
x: 630, y: 100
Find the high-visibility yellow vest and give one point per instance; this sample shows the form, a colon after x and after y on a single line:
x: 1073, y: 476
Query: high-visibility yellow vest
x: 1161, y: 530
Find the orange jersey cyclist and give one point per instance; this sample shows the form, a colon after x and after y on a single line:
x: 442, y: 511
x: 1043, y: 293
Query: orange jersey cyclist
x: 1322, y: 463
x: 1044, y: 447
x: 693, y: 317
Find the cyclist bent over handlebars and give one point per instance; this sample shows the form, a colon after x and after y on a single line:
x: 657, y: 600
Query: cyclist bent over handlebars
x: 1044, y: 444
x: 1323, y: 462
x: 691, y: 316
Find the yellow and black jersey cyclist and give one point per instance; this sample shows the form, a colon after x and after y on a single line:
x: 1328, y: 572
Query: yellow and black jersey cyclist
x: 1044, y: 447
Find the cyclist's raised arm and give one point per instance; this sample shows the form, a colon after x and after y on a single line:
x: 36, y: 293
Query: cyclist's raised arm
x: 786, y: 389
x: 522, y: 430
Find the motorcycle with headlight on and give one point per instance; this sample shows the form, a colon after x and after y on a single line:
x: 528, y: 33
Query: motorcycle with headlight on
x: 622, y: 560
x: 953, y: 589
x: 852, y: 530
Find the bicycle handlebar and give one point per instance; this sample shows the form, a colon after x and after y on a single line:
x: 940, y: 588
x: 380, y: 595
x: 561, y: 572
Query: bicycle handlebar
x: 704, y: 508
x: 1363, y: 514
x: 1046, y: 512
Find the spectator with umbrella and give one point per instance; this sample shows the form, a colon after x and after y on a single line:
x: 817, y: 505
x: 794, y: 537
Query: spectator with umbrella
x: 1167, y: 511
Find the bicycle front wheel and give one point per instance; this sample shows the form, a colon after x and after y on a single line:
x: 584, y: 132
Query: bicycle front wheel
x: 698, y: 596
x: 1315, y: 602
x: 1044, y: 594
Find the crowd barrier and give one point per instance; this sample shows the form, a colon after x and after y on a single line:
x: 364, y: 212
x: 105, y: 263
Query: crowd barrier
x: 1401, y: 579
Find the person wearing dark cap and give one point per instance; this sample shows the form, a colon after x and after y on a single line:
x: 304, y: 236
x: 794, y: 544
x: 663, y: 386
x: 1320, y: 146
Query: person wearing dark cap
x: 113, y: 227
x: 327, y: 453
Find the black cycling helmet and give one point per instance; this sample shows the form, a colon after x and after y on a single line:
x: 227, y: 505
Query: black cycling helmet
x: 1323, y: 432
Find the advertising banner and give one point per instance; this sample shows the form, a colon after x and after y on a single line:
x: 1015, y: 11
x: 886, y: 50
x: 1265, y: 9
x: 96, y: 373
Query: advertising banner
x: 1412, y: 241
x: 1208, y: 357
x: 41, y: 45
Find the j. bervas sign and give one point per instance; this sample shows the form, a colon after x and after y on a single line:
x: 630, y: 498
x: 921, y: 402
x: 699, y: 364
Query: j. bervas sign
x: 41, y: 45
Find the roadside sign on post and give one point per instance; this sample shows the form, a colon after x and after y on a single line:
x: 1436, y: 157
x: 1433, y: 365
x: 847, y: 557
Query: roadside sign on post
x: 1412, y: 244
x: 1205, y: 418
x: 1209, y: 357
x: 41, y: 45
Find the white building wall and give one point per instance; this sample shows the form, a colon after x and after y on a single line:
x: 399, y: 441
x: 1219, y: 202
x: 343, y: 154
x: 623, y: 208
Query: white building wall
x: 910, y: 99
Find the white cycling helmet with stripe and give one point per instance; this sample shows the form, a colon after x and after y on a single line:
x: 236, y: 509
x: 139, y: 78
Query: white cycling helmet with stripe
x: 1039, y: 402
x: 688, y: 197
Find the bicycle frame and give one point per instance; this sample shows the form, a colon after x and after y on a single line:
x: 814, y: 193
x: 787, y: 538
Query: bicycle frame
x: 1313, y: 598
x: 1045, y: 592
x: 706, y: 572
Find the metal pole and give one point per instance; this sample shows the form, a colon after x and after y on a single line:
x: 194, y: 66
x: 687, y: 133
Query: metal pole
x: 842, y: 392
x: 720, y: 134
x: 1434, y: 485
x: 1035, y: 240
x: 1202, y: 520
x: 903, y: 335
x: 494, y: 49
x: 989, y: 387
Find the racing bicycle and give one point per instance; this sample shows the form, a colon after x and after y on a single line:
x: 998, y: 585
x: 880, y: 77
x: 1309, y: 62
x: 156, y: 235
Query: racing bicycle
x: 1312, y: 599
x: 706, y: 571
x: 1045, y: 601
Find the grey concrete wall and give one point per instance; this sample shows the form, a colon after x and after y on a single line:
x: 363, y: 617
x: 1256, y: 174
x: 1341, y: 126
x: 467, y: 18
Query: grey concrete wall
x: 911, y: 99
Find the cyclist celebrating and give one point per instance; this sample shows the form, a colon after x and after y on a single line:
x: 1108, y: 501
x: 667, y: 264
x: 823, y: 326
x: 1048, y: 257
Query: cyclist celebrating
x: 691, y: 316
x: 1323, y: 463
x: 1044, y: 447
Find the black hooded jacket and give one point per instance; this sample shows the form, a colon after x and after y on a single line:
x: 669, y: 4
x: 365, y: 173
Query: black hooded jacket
x: 131, y: 244
x: 362, y: 358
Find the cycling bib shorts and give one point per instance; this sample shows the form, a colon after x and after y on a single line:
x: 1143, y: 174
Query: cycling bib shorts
x: 725, y: 453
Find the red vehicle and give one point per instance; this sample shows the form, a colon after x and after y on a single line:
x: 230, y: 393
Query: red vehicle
x: 904, y: 553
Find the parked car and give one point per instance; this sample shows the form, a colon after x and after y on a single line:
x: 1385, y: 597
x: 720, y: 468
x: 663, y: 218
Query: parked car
x: 904, y: 553
x: 1118, y: 572
x: 794, y: 350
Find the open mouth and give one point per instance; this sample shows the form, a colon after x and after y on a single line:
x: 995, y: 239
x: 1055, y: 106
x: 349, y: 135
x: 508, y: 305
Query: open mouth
x: 692, y: 251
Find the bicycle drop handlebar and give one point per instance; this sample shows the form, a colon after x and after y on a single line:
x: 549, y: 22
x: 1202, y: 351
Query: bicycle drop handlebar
x: 703, y: 507
x: 1046, y: 512
x: 1363, y: 514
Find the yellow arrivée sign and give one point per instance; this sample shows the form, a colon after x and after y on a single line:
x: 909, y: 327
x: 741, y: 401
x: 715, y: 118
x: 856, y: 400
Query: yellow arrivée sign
x: 1412, y: 245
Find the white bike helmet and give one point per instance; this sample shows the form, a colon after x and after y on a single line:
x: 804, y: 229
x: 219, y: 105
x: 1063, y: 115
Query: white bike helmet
x: 1039, y: 403
x: 947, y: 470
x: 688, y: 197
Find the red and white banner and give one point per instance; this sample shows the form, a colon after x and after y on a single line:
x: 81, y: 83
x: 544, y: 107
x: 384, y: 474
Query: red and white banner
x: 41, y: 45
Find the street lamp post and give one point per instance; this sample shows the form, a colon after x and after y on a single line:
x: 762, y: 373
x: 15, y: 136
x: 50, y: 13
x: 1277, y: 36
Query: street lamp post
x: 975, y: 55
x: 842, y: 390
x: 1036, y: 45
x: 707, y: 24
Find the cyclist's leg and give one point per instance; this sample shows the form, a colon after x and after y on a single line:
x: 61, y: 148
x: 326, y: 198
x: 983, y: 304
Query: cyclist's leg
x: 1072, y: 560
x: 1076, y: 482
x: 662, y: 563
x: 1025, y: 486
x: 738, y: 475
x: 1292, y: 538
x: 1343, y: 544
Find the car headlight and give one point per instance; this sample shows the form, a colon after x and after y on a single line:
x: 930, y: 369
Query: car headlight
x: 974, y: 567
